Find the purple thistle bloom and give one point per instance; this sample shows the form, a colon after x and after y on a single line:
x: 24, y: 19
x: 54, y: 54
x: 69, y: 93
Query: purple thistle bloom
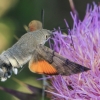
x: 86, y: 51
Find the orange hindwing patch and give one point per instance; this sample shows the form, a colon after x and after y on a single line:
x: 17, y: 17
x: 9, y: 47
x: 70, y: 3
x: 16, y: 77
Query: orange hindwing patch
x: 42, y: 67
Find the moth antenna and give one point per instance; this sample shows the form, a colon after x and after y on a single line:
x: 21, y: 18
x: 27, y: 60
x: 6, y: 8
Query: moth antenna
x: 68, y: 29
x: 43, y: 76
x: 16, y: 37
x: 62, y: 29
x: 42, y: 17
x: 21, y: 69
x: 26, y: 28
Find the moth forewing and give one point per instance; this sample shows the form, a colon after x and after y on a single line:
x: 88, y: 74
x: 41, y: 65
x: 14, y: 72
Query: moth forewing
x: 60, y: 63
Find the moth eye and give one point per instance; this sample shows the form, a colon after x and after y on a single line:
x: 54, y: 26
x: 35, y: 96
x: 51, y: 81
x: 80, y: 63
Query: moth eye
x: 46, y: 37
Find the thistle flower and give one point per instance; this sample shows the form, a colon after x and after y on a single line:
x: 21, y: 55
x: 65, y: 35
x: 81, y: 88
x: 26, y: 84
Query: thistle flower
x: 85, y: 51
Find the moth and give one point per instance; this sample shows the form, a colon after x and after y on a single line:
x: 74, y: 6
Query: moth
x: 42, y: 60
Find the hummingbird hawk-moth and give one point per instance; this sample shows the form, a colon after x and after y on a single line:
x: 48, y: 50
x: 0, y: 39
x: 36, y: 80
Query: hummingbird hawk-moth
x: 42, y: 60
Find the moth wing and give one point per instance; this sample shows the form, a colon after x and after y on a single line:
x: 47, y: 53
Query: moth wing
x: 46, y: 61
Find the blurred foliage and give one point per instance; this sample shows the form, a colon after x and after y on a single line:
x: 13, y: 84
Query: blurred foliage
x: 30, y: 92
x: 14, y: 14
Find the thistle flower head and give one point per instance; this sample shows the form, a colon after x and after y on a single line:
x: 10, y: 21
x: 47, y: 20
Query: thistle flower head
x: 85, y: 51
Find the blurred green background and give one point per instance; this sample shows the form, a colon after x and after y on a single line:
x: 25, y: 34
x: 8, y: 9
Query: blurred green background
x: 16, y: 13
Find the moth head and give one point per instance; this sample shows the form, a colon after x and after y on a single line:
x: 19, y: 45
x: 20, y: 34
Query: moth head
x: 47, y: 34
